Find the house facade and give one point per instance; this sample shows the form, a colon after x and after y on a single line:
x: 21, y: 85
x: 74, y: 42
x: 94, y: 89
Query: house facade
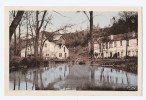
x: 53, y: 47
x: 115, y: 46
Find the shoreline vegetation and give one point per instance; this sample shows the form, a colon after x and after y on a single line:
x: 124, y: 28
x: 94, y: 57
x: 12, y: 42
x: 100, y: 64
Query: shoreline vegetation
x: 129, y: 64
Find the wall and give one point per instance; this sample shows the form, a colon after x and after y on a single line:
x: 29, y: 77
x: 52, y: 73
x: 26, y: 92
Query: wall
x: 116, y: 48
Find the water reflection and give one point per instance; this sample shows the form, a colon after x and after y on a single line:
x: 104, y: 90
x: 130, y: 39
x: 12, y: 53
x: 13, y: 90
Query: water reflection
x: 71, y: 77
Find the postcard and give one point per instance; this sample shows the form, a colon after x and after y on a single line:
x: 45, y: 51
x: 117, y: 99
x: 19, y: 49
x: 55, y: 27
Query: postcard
x: 78, y: 51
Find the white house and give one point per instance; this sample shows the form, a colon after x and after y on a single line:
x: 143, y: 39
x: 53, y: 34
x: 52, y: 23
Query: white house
x: 115, y: 46
x: 54, y: 46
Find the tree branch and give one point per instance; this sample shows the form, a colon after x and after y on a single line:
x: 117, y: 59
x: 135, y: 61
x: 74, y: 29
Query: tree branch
x: 42, y: 20
x: 15, y: 23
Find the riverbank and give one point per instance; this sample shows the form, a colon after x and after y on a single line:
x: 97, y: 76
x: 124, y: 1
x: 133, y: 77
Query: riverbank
x: 130, y: 64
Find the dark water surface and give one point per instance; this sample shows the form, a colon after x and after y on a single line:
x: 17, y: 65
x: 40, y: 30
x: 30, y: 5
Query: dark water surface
x: 72, y: 77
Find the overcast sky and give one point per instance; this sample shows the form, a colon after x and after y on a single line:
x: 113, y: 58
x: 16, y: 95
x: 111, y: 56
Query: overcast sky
x: 79, y: 20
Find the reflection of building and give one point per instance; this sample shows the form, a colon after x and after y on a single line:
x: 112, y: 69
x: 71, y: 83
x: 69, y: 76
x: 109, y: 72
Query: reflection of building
x: 55, y: 74
x: 115, y: 46
x: 114, y: 76
x: 53, y: 46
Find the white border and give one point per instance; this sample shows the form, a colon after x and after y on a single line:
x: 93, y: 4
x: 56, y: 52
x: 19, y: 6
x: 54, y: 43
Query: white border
x: 70, y: 3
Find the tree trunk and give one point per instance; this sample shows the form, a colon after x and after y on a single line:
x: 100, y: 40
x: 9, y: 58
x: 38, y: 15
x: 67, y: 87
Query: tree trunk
x: 37, y: 36
x: 15, y: 48
x: 26, y: 38
x: 14, y: 37
x: 15, y: 23
x: 37, y: 32
x: 19, y: 40
x: 91, y: 36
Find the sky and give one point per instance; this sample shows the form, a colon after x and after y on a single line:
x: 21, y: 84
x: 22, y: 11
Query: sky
x: 79, y: 20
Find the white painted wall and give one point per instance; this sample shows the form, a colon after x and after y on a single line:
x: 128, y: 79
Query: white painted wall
x: 50, y: 50
x: 132, y: 49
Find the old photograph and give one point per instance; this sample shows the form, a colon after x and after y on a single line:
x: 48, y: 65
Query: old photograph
x: 75, y: 50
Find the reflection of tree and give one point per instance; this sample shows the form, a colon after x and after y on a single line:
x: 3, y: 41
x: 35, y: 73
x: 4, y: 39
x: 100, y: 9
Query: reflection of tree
x: 24, y: 72
x: 34, y: 80
x: 127, y: 78
x: 92, y: 73
x: 101, y: 74
x: 42, y: 85
x: 19, y: 81
x: 14, y: 80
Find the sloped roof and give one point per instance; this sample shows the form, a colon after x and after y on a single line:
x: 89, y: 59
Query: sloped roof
x: 130, y: 35
x: 118, y: 37
x: 57, y: 37
x: 52, y: 36
x: 48, y: 35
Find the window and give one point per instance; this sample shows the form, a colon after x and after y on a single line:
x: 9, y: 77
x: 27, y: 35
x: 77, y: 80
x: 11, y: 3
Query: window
x: 60, y: 54
x: 129, y: 53
x: 99, y: 46
x: 121, y: 54
x: 111, y: 44
x: 64, y: 49
x: 115, y: 43
x: 59, y: 46
x: 127, y: 42
x: 45, y: 44
x: 118, y: 54
x: 121, y: 43
x: 107, y: 45
x: 103, y: 45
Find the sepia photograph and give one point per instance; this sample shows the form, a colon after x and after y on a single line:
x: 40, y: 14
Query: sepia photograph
x: 72, y: 49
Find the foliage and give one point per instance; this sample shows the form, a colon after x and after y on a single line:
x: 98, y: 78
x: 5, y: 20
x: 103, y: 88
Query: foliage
x: 128, y: 21
x: 76, y: 39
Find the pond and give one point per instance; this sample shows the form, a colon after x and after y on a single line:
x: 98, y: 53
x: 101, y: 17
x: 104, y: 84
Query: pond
x: 73, y: 77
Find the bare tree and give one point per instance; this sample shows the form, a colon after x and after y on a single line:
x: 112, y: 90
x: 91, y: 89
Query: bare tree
x: 91, y: 33
x: 15, y: 23
x: 38, y: 27
x: 91, y: 36
x: 26, y: 34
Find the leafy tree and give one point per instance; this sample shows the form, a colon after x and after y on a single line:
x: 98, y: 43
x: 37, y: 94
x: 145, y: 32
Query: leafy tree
x: 128, y: 21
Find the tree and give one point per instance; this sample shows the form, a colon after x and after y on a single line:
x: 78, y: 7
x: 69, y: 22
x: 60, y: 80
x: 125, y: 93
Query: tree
x: 38, y: 27
x: 128, y: 21
x: 26, y: 34
x: 15, y: 23
x: 91, y: 33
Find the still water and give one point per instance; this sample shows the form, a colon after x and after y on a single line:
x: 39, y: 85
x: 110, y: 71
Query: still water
x: 72, y: 77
